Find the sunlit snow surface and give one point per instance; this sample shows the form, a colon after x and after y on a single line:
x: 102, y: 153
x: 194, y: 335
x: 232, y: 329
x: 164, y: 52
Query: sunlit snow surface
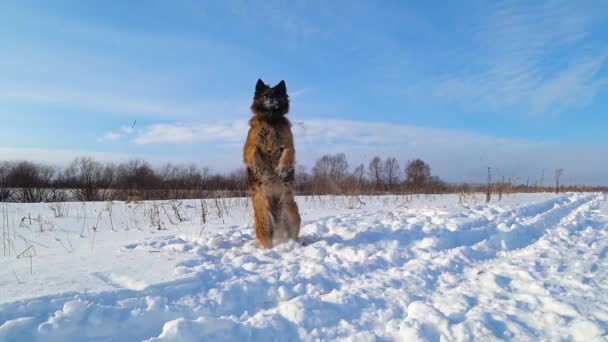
x: 530, y: 267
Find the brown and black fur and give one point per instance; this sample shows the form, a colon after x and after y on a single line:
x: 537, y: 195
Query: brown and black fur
x: 269, y: 155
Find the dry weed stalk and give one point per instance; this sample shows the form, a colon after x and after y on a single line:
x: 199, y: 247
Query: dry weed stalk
x: 109, y: 209
x: 58, y: 209
x: 204, y: 211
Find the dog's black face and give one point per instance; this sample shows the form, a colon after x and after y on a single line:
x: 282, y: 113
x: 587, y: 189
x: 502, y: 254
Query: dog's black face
x: 270, y: 104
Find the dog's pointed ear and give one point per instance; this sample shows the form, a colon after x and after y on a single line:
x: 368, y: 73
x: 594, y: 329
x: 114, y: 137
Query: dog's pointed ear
x: 260, y: 86
x: 282, y: 87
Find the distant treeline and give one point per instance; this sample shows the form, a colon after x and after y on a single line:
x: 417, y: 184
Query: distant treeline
x: 86, y: 179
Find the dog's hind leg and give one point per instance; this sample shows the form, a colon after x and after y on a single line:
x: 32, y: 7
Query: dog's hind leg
x: 291, y: 218
x: 264, y: 220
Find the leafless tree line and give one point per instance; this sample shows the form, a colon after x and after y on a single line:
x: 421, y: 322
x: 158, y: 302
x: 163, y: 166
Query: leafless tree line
x: 86, y: 179
x: 331, y: 175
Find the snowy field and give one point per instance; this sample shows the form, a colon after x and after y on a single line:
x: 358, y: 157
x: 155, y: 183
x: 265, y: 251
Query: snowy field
x: 530, y: 267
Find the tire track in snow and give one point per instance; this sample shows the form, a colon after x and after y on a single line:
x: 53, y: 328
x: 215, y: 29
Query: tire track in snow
x: 511, y: 224
x: 520, y: 293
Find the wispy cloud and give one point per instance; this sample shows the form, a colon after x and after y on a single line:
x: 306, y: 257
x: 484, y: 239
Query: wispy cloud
x: 285, y: 17
x: 529, y: 56
x: 576, y: 85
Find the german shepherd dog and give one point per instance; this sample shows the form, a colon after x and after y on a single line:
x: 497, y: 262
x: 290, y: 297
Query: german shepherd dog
x: 269, y: 155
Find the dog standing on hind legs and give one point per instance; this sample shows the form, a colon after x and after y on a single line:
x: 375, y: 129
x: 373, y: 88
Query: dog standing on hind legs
x: 269, y: 155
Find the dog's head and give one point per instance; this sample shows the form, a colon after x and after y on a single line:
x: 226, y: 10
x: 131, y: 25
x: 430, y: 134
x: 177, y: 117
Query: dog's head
x: 270, y: 104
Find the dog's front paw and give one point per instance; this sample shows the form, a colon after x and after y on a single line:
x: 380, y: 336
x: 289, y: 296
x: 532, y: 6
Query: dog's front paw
x: 256, y: 174
x: 284, y: 171
x: 257, y: 171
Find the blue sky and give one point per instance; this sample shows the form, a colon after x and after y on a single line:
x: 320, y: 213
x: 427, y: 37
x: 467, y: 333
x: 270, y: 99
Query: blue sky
x: 519, y: 86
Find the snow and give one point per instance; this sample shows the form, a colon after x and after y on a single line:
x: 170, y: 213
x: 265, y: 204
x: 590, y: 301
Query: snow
x: 530, y: 267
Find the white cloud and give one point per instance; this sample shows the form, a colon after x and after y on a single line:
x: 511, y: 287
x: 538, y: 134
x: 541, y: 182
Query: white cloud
x: 115, y: 136
x: 223, y: 132
x: 111, y: 136
x: 128, y: 129
x: 455, y: 155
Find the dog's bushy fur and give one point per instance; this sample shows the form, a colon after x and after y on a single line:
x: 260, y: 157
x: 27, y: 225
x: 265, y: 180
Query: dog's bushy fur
x: 269, y: 155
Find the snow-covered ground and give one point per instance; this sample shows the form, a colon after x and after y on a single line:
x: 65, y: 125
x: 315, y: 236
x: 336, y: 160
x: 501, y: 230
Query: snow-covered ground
x: 530, y: 267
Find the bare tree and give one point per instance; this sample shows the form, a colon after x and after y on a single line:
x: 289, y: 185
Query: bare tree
x: 182, y: 181
x: 489, y: 188
x: 36, y: 182
x: 302, y: 178
x: 558, y: 174
x: 330, y: 171
x: 376, y: 171
x: 135, y: 176
x: 339, y: 167
x: 391, y: 170
x: 6, y: 192
x: 417, y: 173
x: 89, y: 179
x: 239, y: 179
x: 542, y: 181
x: 359, y: 173
x: 501, y: 188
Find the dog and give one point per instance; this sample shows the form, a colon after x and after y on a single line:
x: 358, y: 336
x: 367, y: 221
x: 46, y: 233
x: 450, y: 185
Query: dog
x: 269, y: 156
